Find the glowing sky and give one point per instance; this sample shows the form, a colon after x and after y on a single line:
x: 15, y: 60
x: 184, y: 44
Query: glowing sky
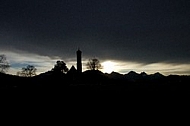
x: 138, y: 35
x: 18, y: 60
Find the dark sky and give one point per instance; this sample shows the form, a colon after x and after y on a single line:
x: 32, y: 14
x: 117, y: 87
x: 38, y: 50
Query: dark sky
x: 146, y: 31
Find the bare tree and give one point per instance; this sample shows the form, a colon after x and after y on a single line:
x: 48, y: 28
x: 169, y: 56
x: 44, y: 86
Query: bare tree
x: 94, y: 64
x: 28, y: 71
x: 60, y: 66
x: 4, y: 65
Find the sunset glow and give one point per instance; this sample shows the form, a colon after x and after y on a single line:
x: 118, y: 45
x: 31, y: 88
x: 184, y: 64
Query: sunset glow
x: 45, y: 63
x: 108, y: 66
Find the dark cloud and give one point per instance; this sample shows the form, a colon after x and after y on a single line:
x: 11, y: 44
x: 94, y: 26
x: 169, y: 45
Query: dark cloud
x: 136, y: 30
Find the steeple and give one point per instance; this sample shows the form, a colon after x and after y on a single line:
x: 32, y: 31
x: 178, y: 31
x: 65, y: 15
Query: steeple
x: 79, y: 61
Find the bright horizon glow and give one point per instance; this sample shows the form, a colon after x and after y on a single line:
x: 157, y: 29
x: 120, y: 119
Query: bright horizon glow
x: 108, y: 66
x: 43, y: 64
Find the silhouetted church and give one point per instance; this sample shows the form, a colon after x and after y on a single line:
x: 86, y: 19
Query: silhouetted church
x: 73, y: 70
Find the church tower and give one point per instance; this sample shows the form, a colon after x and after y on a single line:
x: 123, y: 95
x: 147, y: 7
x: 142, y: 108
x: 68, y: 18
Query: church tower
x: 79, y: 61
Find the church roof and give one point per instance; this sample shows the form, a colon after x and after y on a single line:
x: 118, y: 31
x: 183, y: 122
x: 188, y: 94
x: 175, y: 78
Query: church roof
x: 72, y: 70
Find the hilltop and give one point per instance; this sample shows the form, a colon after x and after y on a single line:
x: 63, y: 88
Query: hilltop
x: 94, y: 80
x: 93, y: 91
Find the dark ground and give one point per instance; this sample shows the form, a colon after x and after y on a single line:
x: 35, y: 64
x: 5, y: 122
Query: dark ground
x: 58, y: 100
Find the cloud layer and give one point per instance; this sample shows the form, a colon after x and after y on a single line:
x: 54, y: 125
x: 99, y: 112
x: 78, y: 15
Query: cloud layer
x: 138, y: 31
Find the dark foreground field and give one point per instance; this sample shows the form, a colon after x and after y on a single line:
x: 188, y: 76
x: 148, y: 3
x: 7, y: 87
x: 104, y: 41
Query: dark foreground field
x: 93, y: 99
x: 95, y: 84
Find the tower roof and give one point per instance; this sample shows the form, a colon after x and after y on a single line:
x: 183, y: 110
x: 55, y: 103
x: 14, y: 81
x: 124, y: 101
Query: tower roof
x: 79, y: 50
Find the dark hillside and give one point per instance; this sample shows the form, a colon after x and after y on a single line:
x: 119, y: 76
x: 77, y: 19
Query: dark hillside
x: 96, y: 81
x: 91, y: 92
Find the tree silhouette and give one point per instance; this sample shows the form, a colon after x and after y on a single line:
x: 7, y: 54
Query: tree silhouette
x: 4, y: 65
x: 94, y: 64
x: 28, y: 71
x: 60, y: 66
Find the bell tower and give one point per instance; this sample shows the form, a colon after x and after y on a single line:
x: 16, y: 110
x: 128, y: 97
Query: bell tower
x: 79, y: 61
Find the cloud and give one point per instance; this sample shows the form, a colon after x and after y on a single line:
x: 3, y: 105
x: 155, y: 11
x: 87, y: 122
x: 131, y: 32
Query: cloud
x: 127, y: 31
x: 20, y: 59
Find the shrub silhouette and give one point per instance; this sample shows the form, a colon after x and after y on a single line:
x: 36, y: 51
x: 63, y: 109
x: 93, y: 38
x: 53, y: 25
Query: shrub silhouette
x: 94, y: 64
x: 28, y: 71
x: 4, y: 65
x: 60, y: 66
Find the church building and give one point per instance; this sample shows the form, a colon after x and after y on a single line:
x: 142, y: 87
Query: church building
x: 74, y: 70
